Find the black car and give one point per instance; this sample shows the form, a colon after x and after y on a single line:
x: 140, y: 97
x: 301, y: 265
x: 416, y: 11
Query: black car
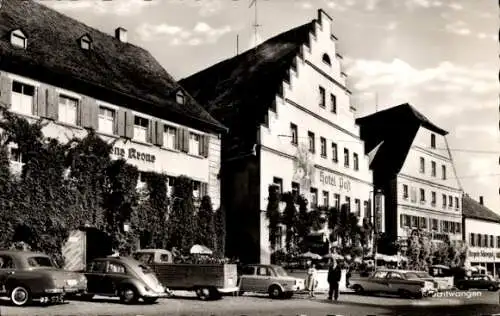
x: 478, y: 281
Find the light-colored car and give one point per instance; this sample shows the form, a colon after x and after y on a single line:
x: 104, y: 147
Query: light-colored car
x: 271, y: 279
x: 401, y: 282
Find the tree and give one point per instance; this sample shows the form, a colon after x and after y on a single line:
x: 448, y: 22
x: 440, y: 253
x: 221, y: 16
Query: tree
x: 273, y: 213
x: 182, y: 224
x: 290, y: 219
x: 206, y: 224
x: 7, y: 213
x: 220, y: 232
x: 303, y: 226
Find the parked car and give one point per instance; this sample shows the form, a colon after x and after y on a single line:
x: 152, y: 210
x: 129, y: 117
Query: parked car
x: 404, y: 283
x: 126, y: 278
x: 26, y: 275
x: 208, y: 280
x: 271, y: 279
x: 478, y: 281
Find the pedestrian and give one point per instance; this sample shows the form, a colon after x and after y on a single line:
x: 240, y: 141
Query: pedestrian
x: 311, y: 279
x: 334, y: 275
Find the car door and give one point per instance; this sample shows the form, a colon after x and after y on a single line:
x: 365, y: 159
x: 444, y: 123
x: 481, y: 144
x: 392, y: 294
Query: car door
x: 263, y: 279
x: 483, y: 282
x: 7, y: 268
x: 378, y: 282
x: 247, y: 279
x: 394, y: 282
x: 95, y: 274
x: 115, y: 274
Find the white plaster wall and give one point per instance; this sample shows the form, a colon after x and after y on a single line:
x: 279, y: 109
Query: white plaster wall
x: 482, y: 227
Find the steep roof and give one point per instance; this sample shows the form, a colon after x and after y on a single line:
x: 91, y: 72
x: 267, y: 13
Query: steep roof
x: 246, y: 85
x: 474, y: 210
x: 396, y: 127
x: 111, y: 66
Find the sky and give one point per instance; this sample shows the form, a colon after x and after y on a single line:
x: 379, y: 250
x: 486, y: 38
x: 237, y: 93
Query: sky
x: 440, y: 56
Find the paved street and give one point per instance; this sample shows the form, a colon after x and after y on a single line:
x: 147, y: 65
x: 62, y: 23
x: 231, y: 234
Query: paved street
x: 351, y: 305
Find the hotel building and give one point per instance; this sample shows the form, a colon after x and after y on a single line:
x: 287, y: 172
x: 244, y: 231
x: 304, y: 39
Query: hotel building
x: 413, y: 167
x: 76, y: 78
x: 482, y: 235
x: 291, y: 124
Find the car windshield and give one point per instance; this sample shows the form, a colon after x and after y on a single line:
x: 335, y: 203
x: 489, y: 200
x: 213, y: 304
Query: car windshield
x: 40, y: 262
x: 281, y: 272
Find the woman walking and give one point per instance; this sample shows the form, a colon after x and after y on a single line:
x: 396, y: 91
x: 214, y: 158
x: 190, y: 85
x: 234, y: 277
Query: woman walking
x: 311, y: 279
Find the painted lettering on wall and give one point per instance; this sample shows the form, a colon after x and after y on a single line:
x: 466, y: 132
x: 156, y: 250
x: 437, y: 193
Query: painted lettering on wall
x: 329, y: 179
x: 132, y: 153
x: 483, y: 253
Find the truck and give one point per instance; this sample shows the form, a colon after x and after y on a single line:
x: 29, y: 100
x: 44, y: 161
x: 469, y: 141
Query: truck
x: 208, y: 281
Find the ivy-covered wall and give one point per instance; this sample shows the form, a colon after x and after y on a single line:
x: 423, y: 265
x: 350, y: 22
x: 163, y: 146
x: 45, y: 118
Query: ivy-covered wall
x: 66, y: 186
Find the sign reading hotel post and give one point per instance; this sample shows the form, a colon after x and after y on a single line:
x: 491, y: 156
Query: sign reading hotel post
x: 334, y: 181
x: 133, y: 153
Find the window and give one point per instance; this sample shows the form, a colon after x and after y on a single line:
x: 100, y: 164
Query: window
x: 98, y: 267
x: 322, y: 97
x: 405, y: 191
x: 6, y: 262
x: 323, y: 146
x: 346, y: 157
x: 294, y: 134
x: 194, y: 144
x: 141, y: 128
x: 335, y: 155
x: 458, y: 227
x: 348, y: 203
x: 312, y: 145
x: 314, y: 197
x: 22, y: 98
x: 435, y: 224
x: 16, y: 156
x: 263, y: 271
x: 492, y: 242
x: 404, y: 220
x: 413, y: 195
x: 422, y: 195
x: 179, y: 97
x: 169, y: 136
x: 106, y: 120
x: 17, y: 38
x: 40, y: 261
x: 333, y: 103
x: 336, y: 201
x: 141, y: 181
x: 433, y: 198
x: 444, y: 200
x: 68, y: 109
x: 414, y: 221
x: 433, y: 140
x: 443, y: 172
x: 422, y: 165
x: 450, y: 201
x: 114, y: 267
x: 295, y: 189
x: 423, y: 223
x: 355, y: 161
x: 357, y: 207
x: 433, y: 168
x: 326, y: 59
x: 326, y: 199
x: 367, y: 210
x: 248, y: 271
x: 498, y: 241
x: 196, y: 190
x: 456, y: 203
x: 278, y: 238
x: 170, y: 185
x: 85, y: 42
x: 279, y: 183
x: 380, y: 274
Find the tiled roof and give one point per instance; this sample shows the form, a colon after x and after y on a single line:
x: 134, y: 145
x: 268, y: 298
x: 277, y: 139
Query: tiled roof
x: 240, y: 90
x: 474, y: 210
x: 396, y: 127
x: 117, y: 68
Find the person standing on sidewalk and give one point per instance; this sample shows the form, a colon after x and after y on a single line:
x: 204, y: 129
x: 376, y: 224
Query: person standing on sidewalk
x: 334, y: 275
x: 311, y: 279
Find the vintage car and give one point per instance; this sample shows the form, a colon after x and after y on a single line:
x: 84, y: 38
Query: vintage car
x: 271, y: 279
x: 124, y: 277
x: 404, y: 283
x: 26, y: 275
x: 478, y: 281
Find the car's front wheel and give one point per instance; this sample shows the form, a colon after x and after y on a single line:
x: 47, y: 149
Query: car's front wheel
x: 20, y: 296
x: 128, y: 295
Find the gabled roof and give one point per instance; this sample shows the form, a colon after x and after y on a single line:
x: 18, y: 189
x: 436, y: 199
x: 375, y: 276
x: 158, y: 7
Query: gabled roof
x: 114, y: 68
x: 242, y: 88
x: 474, y: 210
x: 396, y: 127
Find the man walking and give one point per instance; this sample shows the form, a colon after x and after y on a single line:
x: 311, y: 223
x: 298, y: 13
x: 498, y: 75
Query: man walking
x: 334, y: 274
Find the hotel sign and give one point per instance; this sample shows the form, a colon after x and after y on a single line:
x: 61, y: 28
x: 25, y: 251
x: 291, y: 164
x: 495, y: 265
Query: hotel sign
x: 132, y: 153
x: 334, y: 181
x: 483, y: 253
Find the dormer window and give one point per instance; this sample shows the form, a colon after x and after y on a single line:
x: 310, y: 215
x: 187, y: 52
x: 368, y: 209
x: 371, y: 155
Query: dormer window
x: 17, y: 38
x: 179, y: 97
x: 326, y: 59
x: 85, y: 42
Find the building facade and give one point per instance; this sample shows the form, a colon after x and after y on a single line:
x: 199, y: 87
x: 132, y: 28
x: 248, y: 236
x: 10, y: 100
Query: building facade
x: 293, y: 127
x: 77, y: 78
x: 482, y: 235
x: 413, y: 166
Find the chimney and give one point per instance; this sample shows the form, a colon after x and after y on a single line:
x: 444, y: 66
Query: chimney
x: 121, y: 34
x: 481, y: 200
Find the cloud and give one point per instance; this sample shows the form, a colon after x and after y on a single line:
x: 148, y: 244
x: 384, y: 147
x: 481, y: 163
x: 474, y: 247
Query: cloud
x: 456, y: 6
x: 482, y: 170
x: 120, y: 8
x: 458, y: 27
x: 464, y: 131
x: 202, y: 33
x: 205, y: 7
x: 334, y: 5
x: 371, y: 5
x: 304, y: 5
